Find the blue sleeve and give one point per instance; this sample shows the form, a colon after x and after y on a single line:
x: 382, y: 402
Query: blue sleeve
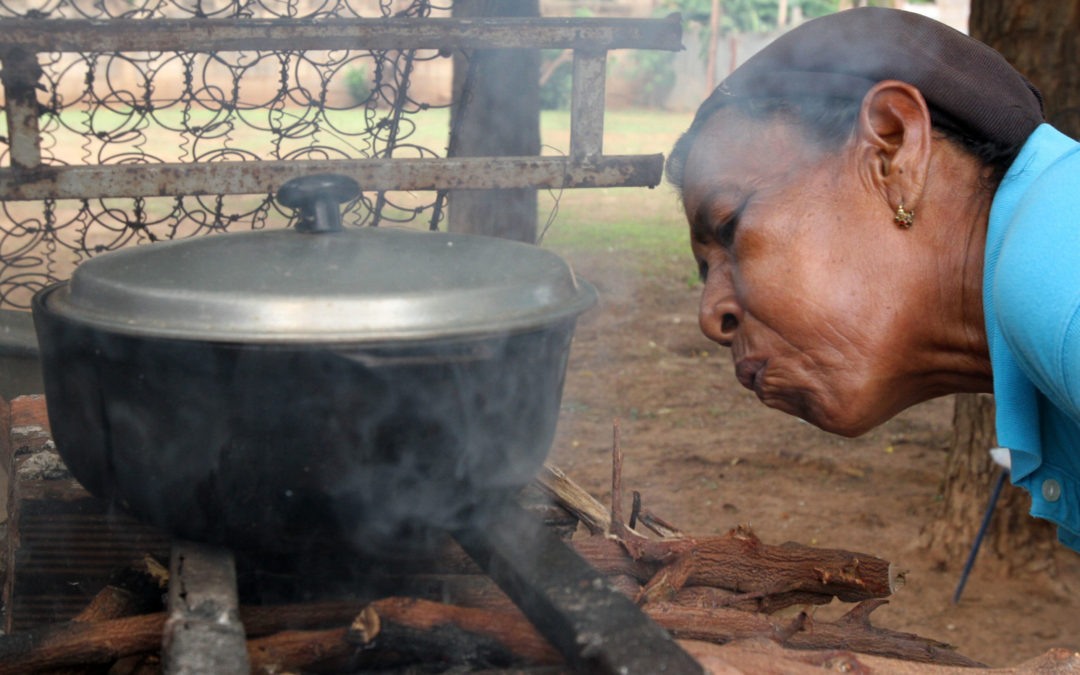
x: 1037, y: 284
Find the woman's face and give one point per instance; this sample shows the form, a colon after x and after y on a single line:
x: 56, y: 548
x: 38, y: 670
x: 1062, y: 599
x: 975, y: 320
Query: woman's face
x: 803, y: 271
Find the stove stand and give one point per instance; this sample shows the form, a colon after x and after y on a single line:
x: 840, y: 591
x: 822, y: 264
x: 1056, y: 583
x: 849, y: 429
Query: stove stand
x: 203, y: 633
x: 595, y: 627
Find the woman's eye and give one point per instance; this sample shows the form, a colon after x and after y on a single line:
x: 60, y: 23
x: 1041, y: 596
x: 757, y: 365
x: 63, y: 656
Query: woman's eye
x: 725, y: 232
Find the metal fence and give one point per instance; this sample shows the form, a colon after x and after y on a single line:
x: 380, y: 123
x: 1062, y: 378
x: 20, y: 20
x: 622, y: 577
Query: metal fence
x: 131, y: 121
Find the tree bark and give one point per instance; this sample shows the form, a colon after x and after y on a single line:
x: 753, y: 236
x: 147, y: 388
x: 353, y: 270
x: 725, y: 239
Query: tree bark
x: 496, y: 112
x: 714, y: 42
x: 1041, y: 40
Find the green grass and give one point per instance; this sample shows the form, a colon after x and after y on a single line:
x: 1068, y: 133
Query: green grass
x: 645, y: 224
x: 620, y: 219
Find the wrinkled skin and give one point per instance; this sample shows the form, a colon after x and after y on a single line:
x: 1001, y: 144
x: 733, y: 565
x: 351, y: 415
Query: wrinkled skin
x: 833, y: 313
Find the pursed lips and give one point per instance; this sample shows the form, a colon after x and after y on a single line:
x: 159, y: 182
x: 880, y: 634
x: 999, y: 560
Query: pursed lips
x: 748, y: 372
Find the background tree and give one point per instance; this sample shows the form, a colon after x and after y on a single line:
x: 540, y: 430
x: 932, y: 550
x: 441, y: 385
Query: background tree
x: 1042, y: 40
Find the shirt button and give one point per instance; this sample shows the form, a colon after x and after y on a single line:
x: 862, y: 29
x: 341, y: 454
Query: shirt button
x: 1051, y: 490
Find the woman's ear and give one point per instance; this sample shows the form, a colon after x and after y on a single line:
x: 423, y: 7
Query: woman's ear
x: 892, y: 140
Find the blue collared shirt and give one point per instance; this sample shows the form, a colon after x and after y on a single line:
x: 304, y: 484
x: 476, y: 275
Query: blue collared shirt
x: 1031, y: 296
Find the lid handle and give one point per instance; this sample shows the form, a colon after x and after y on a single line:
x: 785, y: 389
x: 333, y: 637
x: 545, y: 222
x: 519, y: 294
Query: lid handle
x: 317, y: 198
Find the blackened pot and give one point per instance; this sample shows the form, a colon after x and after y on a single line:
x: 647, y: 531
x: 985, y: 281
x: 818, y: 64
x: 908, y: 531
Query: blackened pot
x: 287, y: 448
x: 291, y: 390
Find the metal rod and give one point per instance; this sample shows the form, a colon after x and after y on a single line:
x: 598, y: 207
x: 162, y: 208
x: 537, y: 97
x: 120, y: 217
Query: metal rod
x: 210, y: 35
x: 596, y: 628
x: 20, y: 74
x: 587, y: 104
x: 153, y: 180
x: 203, y: 633
x: 979, y: 536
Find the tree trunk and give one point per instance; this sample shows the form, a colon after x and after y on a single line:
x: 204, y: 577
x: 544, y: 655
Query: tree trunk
x: 496, y: 112
x: 714, y: 43
x: 1041, y: 39
x: 1014, y: 539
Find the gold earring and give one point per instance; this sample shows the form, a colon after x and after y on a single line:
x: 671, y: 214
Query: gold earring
x: 903, y: 219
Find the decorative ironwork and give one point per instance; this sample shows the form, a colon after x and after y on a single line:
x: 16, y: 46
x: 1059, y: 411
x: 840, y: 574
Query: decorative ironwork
x: 150, y: 108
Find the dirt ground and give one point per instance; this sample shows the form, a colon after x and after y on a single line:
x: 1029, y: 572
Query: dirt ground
x: 706, y: 456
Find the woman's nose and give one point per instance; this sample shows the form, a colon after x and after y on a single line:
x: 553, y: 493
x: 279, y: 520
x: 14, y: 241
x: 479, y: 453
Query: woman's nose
x: 720, y: 313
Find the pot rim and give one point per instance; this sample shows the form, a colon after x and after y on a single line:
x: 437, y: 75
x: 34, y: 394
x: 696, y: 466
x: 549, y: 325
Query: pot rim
x: 586, y: 300
x: 362, y: 286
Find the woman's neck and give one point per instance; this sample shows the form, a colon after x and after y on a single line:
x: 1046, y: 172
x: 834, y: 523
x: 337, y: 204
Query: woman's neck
x: 955, y: 212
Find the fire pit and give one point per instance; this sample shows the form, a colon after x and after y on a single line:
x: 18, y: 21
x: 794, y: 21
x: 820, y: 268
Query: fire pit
x: 231, y: 613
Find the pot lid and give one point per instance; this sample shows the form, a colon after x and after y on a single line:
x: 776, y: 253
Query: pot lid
x: 336, y: 285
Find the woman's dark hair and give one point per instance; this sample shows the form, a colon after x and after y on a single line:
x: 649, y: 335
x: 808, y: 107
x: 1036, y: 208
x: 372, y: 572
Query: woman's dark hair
x: 830, y: 121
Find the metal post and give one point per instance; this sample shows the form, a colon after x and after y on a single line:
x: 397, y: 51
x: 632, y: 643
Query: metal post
x: 587, y: 104
x: 20, y: 76
x: 203, y: 633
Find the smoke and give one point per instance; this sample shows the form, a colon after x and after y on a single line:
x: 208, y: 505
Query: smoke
x: 304, y: 448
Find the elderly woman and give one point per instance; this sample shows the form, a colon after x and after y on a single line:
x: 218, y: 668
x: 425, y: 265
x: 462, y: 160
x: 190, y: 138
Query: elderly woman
x: 881, y: 216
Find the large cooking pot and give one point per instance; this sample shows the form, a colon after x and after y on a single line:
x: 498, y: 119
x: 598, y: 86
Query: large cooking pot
x: 292, y: 389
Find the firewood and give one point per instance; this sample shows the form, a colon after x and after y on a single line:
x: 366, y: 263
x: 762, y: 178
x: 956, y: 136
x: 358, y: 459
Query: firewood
x: 289, y: 650
x: 616, y: 481
x: 573, y: 498
x: 81, y: 643
x: 741, y: 562
x: 436, y: 631
x: 710, y: 597
x: 850, y: 632
x: 136, y: 589
x: 426, y: 630
x: 738, y: 561
x: 132, y: 590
